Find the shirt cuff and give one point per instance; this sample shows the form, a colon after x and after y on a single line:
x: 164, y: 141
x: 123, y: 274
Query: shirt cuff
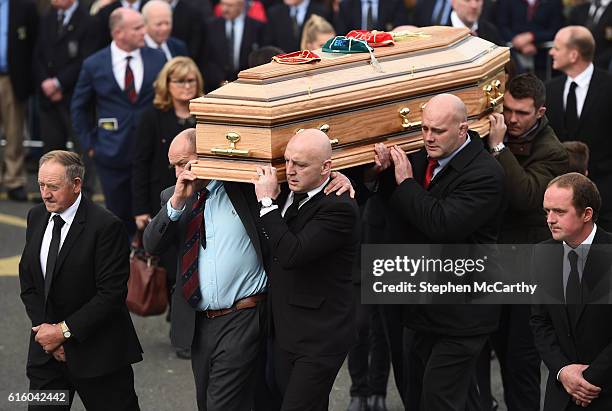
x: 173, y: 214
x: 57, y: 84
x: 266, y: 210
x: 559, y: 372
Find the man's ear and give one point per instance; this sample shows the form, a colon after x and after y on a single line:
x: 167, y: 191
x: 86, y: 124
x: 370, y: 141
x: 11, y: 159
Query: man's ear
x: 326, y: 168
x: 540, y: 112
x: 77, y: 185
x: 587, y: 215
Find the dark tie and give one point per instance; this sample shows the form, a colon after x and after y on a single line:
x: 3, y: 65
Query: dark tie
x: 53, y: 251
x: 60, y: 22
x: 294, y: 23
x: 573, y: 293
x: 195, y: 236
x: 292, y: 211
x: 571, y: 111
x: 438, y: 18
x: 429, y: 172
x: 130, y: 87
x: 592, y: 19
x: 369, y: 17
x: 231, y: 47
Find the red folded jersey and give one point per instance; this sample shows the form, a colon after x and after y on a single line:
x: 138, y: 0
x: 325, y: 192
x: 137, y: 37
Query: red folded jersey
x: 374, y: 38
x: 297, y: 57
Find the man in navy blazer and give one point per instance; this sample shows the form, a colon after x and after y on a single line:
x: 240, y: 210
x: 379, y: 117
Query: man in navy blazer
x: 116, y: 83
x: 158, y: 23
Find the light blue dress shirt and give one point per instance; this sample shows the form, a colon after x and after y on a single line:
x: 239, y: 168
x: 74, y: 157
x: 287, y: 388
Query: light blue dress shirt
x: 364, y: 12
x: 4, y: 23
x: 229, y: 268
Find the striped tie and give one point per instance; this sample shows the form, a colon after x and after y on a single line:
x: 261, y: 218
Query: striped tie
x: 195, y: 234
x: 130, y: 88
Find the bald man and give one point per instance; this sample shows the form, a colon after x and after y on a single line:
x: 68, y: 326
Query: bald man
x: 449, y: 192
x: 581, y: 112
x: 116, y: 83
x: 312, y: 239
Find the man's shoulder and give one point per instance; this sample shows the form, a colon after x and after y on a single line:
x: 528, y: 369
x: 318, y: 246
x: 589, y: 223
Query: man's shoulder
x: 167, y: 193
x: 152, y: 56
x: 94, y: 60
x: 98, y: 214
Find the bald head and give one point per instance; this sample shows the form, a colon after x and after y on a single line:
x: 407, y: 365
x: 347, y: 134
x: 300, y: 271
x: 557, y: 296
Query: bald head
x: 444, y: 125
x: 308, y: 160
x: 127, y: 29
x: 581, y: 39
x: 182, y: 150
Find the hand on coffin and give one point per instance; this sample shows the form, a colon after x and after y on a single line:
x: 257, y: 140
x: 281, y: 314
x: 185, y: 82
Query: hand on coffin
x: 497, y: 132
x: 184, y: 187
x: 340, y: 184
x: 403, y: 168
x: 267, y: 184
x: 382, y: 161
x: 581, y: 390
x: 49, y: 336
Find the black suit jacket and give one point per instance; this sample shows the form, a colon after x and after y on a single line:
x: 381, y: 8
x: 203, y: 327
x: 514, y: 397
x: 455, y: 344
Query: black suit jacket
x: 62, y: 56
x: 463, y: 205
x: 162, y: 234
x: 187, y: 26
x: 602, y: 31
x: 88, y: 291
x: 593, y: 126
x: 279, y: 31
x: 150, y: 171
x: 421, y: 16
x: 391, y: 13
x: 586, y: 341
x: 217, y: 67
x: 104, y: 34
x: 22, y: 33
x: 310, y: 274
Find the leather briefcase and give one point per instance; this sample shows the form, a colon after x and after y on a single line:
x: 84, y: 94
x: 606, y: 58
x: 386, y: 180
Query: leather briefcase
x: 147, y: 288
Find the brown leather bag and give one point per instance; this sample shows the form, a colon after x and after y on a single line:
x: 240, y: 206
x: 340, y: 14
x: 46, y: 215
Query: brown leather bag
x: 147, y: 289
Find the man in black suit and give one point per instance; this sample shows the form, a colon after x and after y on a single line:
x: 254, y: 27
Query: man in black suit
x: 73, y: 274
x: 468, y: 14
x: 382, y: 15
x: 596, y: 15
x: 229, y: 40
x: 571, y: 335
x: 312, y: 239
x: 187, y: 24
x: 18, y: 27
x: 580, y: 112
x: 450, y: 192
x: 286, y: 21
x: 66, y: 37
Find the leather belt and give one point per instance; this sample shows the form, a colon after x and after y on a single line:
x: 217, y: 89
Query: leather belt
x: 248, y: 302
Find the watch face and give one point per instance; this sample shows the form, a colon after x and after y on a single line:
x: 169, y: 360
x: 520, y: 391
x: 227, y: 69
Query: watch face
x: 67, y: 334
x: 266, y: 201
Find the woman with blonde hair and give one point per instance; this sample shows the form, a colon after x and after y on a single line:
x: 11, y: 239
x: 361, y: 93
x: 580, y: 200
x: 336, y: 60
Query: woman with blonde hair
x: 316, y: 32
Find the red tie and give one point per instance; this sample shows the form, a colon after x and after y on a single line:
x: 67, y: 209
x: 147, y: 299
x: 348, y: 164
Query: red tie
x: 194, y: 236
x: 429, y: 172
x: 130, y: 88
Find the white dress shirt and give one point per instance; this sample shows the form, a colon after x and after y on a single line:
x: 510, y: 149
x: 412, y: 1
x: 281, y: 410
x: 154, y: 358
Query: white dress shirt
x: 582, y: 80
x: 68, y: 216
x: 456, y: 22
x: 299, y: 12
x: 120, y: 63
x: 238, y: 30
x: 364, y: 12
x: 163, y: 47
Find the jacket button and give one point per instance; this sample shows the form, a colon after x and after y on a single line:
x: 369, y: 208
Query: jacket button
x: 275, y: 259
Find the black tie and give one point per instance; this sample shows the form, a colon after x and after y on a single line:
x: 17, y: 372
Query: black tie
x: 292, y: 211
x: 294, y: 23
x: 231, y: 47
x: 571, y: 112
x: 53, y: 251
x: 573, y: 294
x: 369, y: 17
x: 437, y: 20
x: 592, y: 19
x: 60, y: 23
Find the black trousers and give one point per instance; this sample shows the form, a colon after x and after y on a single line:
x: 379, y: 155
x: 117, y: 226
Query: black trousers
x: 399, y: 339
x: 305, y: 381
x: 226, y: 358
x: 518, y: 358
x: 443, y: 371
x: 114, y: 391
x: 368, y: 359
x: 117, y: 187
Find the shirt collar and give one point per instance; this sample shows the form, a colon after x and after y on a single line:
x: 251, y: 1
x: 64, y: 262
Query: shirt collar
x: 118, y: 55
x: 442, y: 162
x: 583, y: 249
x: 456, y: 22
x: 69, y: 213
x: 314, y: 191
x: 214, y: 186
x: 583, y: 79
x: 302, y: 7
x: 173, y: 3
x: 152, y: 43
x: 70, y: 11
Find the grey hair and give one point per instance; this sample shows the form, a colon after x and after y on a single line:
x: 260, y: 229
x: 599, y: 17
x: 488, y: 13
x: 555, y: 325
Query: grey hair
x: 72, y: 162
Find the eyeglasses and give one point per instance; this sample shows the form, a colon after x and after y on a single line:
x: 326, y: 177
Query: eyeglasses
x: 185, y: 82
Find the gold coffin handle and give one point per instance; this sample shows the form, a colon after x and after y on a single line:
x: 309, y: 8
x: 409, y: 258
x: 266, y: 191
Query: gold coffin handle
x: 406, y: 123
x: 324, y: 128
x: 233, y: 138
x: 493, y: 93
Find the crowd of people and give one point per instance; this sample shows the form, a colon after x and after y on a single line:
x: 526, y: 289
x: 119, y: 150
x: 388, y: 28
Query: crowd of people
x: 116, y: 78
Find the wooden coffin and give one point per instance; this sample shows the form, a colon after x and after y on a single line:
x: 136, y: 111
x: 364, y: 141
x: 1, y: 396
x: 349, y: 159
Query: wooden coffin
x: 248, y: 122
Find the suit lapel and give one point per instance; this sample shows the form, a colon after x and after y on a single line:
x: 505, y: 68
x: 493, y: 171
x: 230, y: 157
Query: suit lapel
x: 77, y: 226
x: 596, y: 272
x: 591, y: 97
x: 108, y: 63
x: 147, y: 74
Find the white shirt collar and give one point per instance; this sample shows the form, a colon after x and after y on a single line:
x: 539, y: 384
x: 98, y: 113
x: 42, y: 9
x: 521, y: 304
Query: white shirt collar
x: 456, y: 22
x: 310, y: 194
x: 442, y: 162
x: 69, y: 213
x: 587, y: 241
x: 153, y: 44
x: 119, y: 55
x: 300, y: 10
x: 583, y: 79
x: 69, y: 12
x: 173, y: 3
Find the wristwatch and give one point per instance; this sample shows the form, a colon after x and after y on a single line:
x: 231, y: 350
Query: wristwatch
x: 65, y: 330
x: 495, y: 150
x: 266, y: 202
